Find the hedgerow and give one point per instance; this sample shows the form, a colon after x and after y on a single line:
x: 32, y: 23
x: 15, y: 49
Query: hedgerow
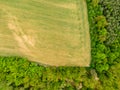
x: 103, y: 74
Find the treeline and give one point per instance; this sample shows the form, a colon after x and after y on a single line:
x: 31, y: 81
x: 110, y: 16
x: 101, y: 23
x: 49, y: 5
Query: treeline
x: 105, y: 36
x: 103, y: 74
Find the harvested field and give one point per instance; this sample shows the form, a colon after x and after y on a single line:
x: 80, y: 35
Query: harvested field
x: 51, y: 32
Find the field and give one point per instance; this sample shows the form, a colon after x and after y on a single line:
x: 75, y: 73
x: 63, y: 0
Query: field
x: 19, y: 73
x: 51, y: 32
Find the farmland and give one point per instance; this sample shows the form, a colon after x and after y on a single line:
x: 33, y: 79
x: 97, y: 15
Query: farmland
x: 17, y: 73
x: 49, y: 32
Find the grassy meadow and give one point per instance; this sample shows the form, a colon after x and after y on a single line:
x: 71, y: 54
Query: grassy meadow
x: 52, y: 32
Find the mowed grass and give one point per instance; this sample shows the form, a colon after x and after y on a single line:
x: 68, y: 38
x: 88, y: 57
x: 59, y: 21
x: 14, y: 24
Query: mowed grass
x: 52, y: 32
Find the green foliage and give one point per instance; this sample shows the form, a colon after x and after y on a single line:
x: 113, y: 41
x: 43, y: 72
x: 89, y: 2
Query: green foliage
x: 105, y: 42
x: 101, y: 21
x: 95, y: 2
x: 102, y: 35
x: 20, y: 74
x: 111, y: 10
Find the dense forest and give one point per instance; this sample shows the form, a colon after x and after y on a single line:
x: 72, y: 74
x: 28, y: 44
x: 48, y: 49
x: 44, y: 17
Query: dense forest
x: 18, y: 73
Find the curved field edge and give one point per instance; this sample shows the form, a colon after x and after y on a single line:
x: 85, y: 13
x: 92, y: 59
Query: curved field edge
x: 18, y: 73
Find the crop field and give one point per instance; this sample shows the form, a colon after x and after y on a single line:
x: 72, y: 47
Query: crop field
x: 50, y: 32
x: 36, y: 36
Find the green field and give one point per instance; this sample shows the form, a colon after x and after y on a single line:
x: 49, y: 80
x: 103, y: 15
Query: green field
x: 52, y: 32
x: 19, y: 73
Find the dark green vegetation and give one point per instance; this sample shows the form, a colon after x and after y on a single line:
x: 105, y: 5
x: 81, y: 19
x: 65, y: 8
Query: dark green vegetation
x: 104, y: 73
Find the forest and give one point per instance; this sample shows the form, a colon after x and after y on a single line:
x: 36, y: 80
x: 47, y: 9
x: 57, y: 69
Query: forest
x: 17, y: 73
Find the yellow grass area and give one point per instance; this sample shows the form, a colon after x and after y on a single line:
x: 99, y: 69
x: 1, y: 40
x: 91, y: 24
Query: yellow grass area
x: 50, y: 32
